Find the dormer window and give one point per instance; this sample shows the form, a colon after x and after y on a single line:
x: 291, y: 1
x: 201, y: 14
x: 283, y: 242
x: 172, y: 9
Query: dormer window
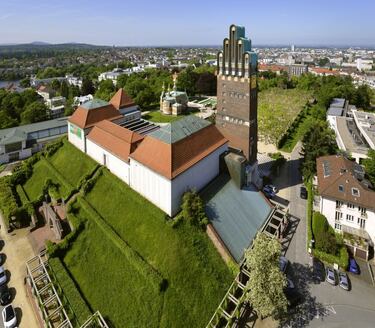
x: 341, y: 188
x: 355, y: 192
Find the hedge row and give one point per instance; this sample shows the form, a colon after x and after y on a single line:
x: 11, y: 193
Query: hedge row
x: 8, y: 201
x: 22, y: 195
x: 87, y: 176
x: 142, y: 266
x: 90, y: 180
x: 310, y: 198
x: 293, y: 127
x: 61, y: 179
x: 342, y: 259
x: 68, y: 291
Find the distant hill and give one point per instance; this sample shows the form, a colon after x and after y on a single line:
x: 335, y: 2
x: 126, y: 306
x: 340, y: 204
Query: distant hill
x: 39, y: 46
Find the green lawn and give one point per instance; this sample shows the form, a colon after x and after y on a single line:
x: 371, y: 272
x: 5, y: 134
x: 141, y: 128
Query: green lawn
x: 42, y: 171
x: 277, y: 109
x: 197, y: 277
x: 72, y: 163
x: 109, y: 282
x: 158, y: 117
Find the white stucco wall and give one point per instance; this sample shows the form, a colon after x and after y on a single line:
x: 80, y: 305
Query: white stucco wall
x: 197, y: 177
x: 116, y: 165
x: 151, y: 185
x: 77, y: 141
x: 166, y: 194
x: 328, y: 209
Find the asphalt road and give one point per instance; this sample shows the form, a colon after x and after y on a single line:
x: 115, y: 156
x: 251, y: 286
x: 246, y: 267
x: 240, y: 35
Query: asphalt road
x: 323, y: 305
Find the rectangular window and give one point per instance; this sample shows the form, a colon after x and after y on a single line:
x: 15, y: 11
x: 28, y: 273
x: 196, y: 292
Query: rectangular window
x: 337, y: 226
x: 362, y: 209
x: 341, y: 188
x: 349, y: 218
x: 350, y: 205
x: 338, y: 203
x: 338, y: 216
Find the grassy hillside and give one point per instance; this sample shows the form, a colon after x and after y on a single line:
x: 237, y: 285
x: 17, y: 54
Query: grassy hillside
x: 123, y: 242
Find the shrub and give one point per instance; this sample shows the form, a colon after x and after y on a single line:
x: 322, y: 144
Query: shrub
x: 319, y: 224
x: 8, y: 201
x: 52, y: 147
x: 342, y: 259
x: 193, y: 209
x: 326, y: 242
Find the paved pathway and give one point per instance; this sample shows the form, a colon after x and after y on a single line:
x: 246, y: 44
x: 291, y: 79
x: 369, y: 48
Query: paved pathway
x: 17, y: 249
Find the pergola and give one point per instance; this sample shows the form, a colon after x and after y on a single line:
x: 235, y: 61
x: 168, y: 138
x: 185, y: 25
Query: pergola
x: 49, y: 303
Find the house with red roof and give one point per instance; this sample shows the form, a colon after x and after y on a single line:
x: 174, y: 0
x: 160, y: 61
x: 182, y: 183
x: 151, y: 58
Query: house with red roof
x: 161, y: 163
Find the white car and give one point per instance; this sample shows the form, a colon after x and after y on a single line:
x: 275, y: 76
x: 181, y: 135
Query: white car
x: 3, y: 276
x: 9, y: 317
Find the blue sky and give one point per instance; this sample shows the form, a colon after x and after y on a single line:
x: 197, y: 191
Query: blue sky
x: 199, y: 22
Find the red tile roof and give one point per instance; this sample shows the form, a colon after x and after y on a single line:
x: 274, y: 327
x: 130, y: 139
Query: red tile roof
x: 85, y: 118
x: 121, y: 99
x: 170, y: 160
x: 119, y: 141
x: 273, y: 68
x: 321, y: 70
x: 340, y: 172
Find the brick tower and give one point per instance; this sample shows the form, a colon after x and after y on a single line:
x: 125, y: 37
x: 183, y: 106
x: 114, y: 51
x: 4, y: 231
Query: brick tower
x: 237, y: 95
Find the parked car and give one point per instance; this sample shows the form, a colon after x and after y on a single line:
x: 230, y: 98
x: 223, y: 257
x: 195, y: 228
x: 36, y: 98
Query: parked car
x: 283, y: 263
x: 353, y: 266
x: 268, y: 192
x: 318, y: 271
x: 272, y: 188
x: 3, y: 276
x: 9, y: 317
x: 5, y: 296
x: 343, y: 280
x: 303, y: 192
x: 331, y: 276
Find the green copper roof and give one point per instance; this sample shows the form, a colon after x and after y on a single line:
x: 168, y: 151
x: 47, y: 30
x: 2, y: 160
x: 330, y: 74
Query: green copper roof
x: 95, y: 103
x: 180, y: 129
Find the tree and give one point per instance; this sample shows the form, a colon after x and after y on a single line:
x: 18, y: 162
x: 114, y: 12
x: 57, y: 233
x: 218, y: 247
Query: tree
x: 186, y: 81
x: 6, y: 121
x: 55, y: 85
x: 369, y: 164
x: 34, y: 112
x: 106, y: 90
x: 363, y: 97
x: 206, y: 84
x: 87, y: 87
x: 265, y: 288
x: 64, y: 89
x: 323, y: 61
x: 319, y: 140
x: 193, y: 209
x: 25, y: 82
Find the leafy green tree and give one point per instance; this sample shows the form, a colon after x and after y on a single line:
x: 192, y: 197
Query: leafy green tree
x: 25, y: 82
x: 265, y: 288
x: 87, y: 87
x: 64, y: 89
x: 193, y: 209
x: 363, y: 97
x: 369, y: 164
x: 106, y: 90
x: 56, y: 85
x: 206, y: 84
x: 319, y: 140
x: 34, y: 112
x: 6, y: 121
x: 323, y: 61
x: 187, y: 80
